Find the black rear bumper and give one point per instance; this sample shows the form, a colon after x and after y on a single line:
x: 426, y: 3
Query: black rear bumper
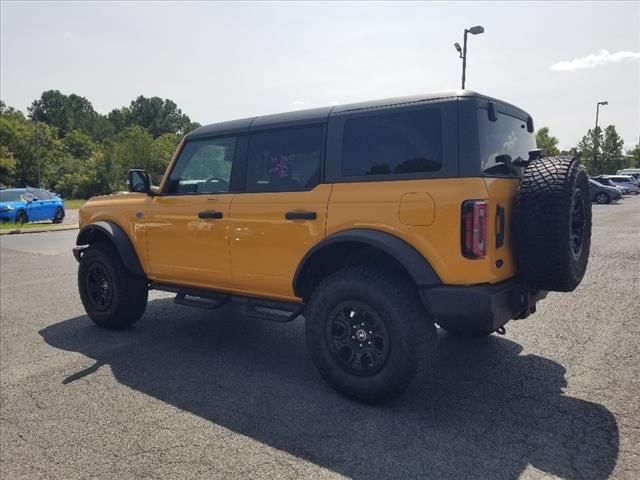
x: 480, y: 307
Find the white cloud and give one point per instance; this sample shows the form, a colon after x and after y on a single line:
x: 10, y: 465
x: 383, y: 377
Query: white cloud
x: 594, y: 60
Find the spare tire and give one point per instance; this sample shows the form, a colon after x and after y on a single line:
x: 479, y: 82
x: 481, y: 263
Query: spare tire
x: 552, y: 224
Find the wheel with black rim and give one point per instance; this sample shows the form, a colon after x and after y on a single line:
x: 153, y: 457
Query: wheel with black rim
x: 112, y: 296
x: 552, y: 224
x: 58, y: 216
x: 21, y: 217
x: 602, y: 198
x: 367, y: 332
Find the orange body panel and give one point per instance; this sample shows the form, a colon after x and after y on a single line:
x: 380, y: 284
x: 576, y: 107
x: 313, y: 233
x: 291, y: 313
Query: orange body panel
x: 254, y: 250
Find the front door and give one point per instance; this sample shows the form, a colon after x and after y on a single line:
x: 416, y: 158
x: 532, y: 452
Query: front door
x: 282, y: 212
x: 188, y: 224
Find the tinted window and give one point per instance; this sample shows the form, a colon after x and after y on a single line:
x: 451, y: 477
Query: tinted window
x: 393, y: 143
x: 204, y: 166
x: 502, y: 142
x: 11, y: 196
x: 285, y: 160
x: 43, y: 195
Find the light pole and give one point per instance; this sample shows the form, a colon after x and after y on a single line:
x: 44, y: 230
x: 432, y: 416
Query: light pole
x: 595, y: 138
x: 478, y: 29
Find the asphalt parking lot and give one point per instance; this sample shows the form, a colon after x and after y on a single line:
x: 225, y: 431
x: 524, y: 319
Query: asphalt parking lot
x: 187, y: 393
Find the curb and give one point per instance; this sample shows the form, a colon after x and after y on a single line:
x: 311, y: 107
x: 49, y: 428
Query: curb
x: 40, y: 230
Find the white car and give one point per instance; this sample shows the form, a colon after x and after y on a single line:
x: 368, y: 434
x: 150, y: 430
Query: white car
x: 626, y: 181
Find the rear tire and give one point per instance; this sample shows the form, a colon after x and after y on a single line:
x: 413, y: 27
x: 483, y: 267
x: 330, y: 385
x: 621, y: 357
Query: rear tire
x: 552, y: 224
x: 367, y: 332
x: 112, y: 297
x: 602, y: 198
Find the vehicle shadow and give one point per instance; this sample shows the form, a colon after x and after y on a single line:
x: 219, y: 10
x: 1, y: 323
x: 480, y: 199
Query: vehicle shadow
x: 483, y: 411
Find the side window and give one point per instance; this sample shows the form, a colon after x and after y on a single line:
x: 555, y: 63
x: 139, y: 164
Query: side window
x: 43, y: 195
x: 204, y: 166
x: 285, y: 160
x: 393, y: 143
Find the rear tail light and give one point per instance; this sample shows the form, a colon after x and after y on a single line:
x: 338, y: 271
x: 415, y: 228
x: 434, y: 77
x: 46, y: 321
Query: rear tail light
x: 474, y: 228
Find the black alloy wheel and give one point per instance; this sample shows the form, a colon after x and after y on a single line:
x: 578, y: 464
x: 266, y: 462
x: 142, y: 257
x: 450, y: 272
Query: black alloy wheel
x: 358, y: 338
x: 99, y: 287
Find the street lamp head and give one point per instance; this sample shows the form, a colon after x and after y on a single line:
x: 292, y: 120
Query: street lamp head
x: 458, y: 48
x: 476, y: 30
x: 603, y: 103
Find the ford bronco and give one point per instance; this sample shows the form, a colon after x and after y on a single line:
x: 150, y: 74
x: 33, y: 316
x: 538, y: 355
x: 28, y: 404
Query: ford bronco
x: 375, y: 222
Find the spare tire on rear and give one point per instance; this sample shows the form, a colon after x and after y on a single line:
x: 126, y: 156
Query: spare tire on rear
x: 552, y: 224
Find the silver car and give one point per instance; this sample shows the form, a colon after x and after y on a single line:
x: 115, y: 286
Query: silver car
x: 626, y: 181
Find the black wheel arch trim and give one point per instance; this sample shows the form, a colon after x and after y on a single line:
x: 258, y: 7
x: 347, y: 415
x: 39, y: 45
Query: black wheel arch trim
x: 120, y: 241
x: 404, y: 253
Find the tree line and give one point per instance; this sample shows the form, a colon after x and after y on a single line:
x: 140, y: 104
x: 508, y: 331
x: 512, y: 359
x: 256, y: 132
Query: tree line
x: 606, y: 144
x: 64, y: 145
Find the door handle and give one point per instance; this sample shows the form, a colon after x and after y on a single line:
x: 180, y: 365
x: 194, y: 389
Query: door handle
x: 210, y: 214
x: 301, y: 215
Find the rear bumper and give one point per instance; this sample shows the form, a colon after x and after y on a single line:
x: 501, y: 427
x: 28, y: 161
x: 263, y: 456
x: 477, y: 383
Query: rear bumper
x: 480, y: 307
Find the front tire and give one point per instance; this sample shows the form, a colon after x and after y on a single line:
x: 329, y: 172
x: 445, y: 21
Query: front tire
x: 21, y: 218
x: 602, y: 198
x: 367, y: 332
x: 112, y: 297
x: 59, y: 215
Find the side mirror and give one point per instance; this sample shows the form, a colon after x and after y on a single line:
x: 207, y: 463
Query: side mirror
x: 138, y: 181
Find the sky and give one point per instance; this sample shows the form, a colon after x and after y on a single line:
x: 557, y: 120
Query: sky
x: 220, y: 61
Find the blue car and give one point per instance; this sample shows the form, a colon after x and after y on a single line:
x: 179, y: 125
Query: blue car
x: 22, y: 205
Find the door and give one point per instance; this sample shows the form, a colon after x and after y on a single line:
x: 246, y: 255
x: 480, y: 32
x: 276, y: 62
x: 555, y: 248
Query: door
x: 46, y: 203
x: 188, y: 224
x: 35, y: 206
x: 282, y: 212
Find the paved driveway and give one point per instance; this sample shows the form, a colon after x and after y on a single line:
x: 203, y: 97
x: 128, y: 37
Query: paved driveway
x: 191, y: 394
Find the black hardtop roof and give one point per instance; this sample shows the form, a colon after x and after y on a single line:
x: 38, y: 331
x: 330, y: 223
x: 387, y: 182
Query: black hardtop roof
x: 319, y: 115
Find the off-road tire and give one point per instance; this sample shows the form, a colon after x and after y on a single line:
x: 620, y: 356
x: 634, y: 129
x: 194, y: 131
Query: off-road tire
x: 21, y: 217
x: 395, y: 300
x: 552, y: 204
x: 58, y: 217
x: 128, y: 293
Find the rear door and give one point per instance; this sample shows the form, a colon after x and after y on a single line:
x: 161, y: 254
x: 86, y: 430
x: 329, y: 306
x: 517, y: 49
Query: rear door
x: 502, y: 141
x: 282, y: 211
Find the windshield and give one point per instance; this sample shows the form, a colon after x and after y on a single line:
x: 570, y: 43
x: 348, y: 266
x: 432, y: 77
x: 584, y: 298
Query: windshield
x: 11, y: 196
x: 502, y: 142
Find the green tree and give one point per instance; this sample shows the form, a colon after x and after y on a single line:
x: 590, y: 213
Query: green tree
x: 548, y: 143
x: 7, y: 167
x: 162, y: 152
x: 612, y: 159
x: 79, y: 145
x: 158, y: 116
x: 63, y: 112
x: 585, y: 151
x: 633, y: 157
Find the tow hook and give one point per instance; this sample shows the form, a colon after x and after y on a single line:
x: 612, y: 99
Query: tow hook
x: 501, y: 331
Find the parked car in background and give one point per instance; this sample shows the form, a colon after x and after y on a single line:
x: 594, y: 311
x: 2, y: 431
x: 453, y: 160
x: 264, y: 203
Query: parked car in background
x: 605, y: 180
x: 603, y: 193
x: 634, y: 172
x: 626, y: 181
x: 22, y: 205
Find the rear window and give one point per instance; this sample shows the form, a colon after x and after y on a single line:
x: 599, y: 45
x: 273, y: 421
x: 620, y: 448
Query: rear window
x: 393, y: 143
x: 502, y: 142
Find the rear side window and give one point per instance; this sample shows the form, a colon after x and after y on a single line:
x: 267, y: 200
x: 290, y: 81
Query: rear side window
x: 393, y: 143
x: 285, y: 160
x: 502, y: 142
x: 43, y: 195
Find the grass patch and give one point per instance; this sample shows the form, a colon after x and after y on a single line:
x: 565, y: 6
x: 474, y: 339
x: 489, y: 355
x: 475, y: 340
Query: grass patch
x: 74, y: 204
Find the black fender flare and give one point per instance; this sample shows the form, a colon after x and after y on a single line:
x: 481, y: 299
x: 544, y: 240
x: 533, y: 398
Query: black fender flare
x: 416, y: 265
x: 118, y: 238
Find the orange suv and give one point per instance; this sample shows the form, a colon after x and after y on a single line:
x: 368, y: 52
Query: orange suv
x: 374, y: 221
